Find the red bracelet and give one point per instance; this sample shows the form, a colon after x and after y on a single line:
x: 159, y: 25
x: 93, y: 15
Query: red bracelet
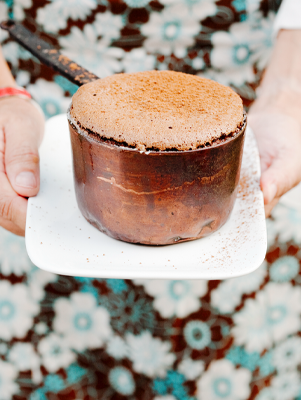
x: 13, y: 91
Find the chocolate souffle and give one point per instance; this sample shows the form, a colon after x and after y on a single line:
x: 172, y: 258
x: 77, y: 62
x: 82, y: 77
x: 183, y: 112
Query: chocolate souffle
x: 158, y: 110
x: 156, y: 155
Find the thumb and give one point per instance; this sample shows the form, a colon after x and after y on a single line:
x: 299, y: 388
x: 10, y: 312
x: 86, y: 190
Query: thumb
x: 21, y: 155
x: 281, y: 176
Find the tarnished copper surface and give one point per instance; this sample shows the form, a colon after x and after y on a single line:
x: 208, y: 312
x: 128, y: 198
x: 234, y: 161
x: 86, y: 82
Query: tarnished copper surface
x: 163, y: 197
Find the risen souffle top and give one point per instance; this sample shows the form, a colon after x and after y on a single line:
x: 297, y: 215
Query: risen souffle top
x: 158, y: 110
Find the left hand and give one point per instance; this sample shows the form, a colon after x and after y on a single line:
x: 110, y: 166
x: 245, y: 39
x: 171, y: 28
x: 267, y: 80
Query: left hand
x: 21, y: 132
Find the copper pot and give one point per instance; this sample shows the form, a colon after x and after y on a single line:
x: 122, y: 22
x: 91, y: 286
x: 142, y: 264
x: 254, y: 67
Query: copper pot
x: 158, y: 197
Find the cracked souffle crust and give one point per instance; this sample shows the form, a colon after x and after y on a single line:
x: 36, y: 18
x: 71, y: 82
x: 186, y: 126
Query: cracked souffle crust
x: 158, y: 110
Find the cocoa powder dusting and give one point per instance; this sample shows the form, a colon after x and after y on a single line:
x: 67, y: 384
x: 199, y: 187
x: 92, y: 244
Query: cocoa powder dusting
x: 158, y: 110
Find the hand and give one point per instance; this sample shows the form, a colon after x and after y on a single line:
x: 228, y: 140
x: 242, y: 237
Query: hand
x: 21, y: 132
x: 278, y: 133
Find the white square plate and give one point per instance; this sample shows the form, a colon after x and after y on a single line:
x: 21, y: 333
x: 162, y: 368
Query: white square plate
x: 60, y: 240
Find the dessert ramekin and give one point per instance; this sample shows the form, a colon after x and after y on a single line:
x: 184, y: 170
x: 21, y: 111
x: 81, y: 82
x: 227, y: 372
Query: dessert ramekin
x: 155, y: 197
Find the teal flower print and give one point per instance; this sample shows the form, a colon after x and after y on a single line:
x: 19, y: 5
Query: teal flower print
x: 175, y: 297
x: 150, y: 356
x: 241, y: 53
x: 285, y: 386
x: 200, y: 9
x: 50, y: 97
x: 7, y: 9
x: 25, y: 358
x: 287, y: 222
x: 190, y: 368
x: 38, y: 394
x: 129, y: 312
x: 8, y: 376
x: 108, y: 25
x: 160, y: 386
x: 13, y: 255
x: 239, y: 356
x: 17, y: 310
x: 53, y: 383
x: 265, y: 364
x: 117, y: 285
x: 180, y: 393
x: 287, y: 355
x: 66, y: 85
x: 171, y: 31
x: 269, y: 318
x: 222, y: 381
x: 81, y: 321
x: 75, y: 373
x: 174, y: 379
x: 122, y: 381
x: 197, y: 334
x: 239, y: 5
x: 138, y: 60
x: 174, y: 384
x: 54, y: 16
x: 117, y: 348
x: 251, y: 361
x: 85, y: 47
x: 137, y: 3
x: 235, y: 52
x: 88, y: 287
x: 55, y: 352
x: 222, y: 387
x: 284, y: 269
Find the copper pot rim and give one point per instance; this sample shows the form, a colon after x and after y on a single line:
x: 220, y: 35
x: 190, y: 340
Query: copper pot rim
x: 112, y: 146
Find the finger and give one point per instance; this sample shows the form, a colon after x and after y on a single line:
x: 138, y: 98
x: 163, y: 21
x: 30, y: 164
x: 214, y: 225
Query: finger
x: 283, y: 174
x: 280, y: 159
x: 264, y: 146
x: 22, y: 140
x: 269, y: 207
x: 11, y: 227
x: 265, y: 163
x: 12, y: 207
x: 8, y: 193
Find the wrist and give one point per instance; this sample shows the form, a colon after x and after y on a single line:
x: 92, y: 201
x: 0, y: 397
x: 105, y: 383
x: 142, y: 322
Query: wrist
x: 283, y: 96
x: 285, y: 62
x: 19, y: 92
x: 280, y: 89
x: 9, y: 91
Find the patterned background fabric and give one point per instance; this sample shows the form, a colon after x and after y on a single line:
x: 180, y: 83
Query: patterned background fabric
x: 64, y: 338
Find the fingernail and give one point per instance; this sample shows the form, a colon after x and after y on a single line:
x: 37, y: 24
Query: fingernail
x: 26, y: 179
x: 272, y: 190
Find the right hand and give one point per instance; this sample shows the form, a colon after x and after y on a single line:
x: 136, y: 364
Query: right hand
x: 21, y: 133
x: 279, y: 141
x: 276, y: 119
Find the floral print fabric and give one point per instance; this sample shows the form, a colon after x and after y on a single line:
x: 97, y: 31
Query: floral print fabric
x: 64, y: 338
x: 226, y: 40
x: 82, y: 338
